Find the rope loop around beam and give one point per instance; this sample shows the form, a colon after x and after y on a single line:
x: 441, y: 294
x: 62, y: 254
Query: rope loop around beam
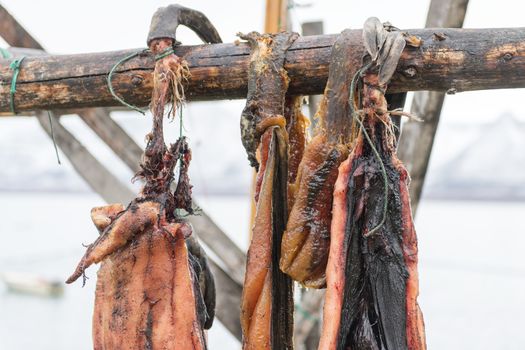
x: 110, y: 77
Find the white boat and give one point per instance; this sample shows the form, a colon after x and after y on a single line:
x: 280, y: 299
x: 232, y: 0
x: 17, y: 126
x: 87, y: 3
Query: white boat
x: 31, y: 284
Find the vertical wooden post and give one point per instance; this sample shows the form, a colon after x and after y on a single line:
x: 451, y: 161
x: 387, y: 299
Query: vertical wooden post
x: 276, y: 16
x: 417, y: 138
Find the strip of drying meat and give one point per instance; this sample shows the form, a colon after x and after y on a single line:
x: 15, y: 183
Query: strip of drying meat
x: 152, y: 291
x: 296, y: 127
x: 267, y: 299
x: 306, y: 240
x: 371, y: 299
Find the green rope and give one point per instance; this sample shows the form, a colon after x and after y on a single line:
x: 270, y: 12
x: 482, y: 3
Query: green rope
x: 53, y: 135
x: 355, y: 115
x: 167, y: 51
x: 15, y: 66
x: 110, y: 77
x: 5, y: 53
x: 181, y: 124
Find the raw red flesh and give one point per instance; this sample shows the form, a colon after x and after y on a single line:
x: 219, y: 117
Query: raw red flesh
x: 335, y: 272
x: 139, y: 293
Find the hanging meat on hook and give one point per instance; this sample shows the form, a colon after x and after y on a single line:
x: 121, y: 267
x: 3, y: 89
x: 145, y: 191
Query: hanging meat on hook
x: 306, y: 240
x: 154, y: 287
x: 372, y: 280
x: 267, y: 298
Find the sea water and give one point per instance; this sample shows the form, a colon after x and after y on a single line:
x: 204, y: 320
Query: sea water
x: 472, y: 271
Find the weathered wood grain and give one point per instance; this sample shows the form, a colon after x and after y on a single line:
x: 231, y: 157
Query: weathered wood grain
x: 467, y: 59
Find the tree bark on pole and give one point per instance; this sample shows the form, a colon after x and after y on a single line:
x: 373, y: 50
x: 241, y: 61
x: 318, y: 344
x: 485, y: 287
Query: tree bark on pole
x: 415, y: 145
x: 449, y: 60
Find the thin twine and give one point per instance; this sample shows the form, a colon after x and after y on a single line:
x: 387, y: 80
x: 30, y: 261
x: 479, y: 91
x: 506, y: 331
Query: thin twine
x: 110, y: 77
x: 355, y: 115
x: 53, y: 136
x: 15, y: 66
x: 168, y: 51
x: 181, y: 124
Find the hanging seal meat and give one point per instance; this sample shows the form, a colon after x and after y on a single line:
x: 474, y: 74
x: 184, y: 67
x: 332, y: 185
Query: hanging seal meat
x: 154, y: 287
x: 267, y: 300
x: 306, y: 240
x: 372, y: 280
x: 296, y: 127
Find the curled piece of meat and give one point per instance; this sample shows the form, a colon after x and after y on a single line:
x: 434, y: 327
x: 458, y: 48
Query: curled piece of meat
x: 267, y: 298
x: 154, y: 287
x: 372, y: 280
x: 307, y: 237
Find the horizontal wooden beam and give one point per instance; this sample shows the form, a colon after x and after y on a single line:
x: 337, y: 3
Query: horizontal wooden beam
x: 451, y: 60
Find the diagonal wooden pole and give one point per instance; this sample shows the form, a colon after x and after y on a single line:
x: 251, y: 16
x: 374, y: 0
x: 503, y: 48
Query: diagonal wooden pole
x: 417, y: 138
x: 90, y: 169
x: 109, y: 131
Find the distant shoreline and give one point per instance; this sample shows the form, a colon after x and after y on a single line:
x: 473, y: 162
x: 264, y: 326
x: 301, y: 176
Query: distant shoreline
x: 432, y: 196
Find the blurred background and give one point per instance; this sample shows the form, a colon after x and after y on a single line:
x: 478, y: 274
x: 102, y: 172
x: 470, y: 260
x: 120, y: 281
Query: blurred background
x: 472, y: 275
